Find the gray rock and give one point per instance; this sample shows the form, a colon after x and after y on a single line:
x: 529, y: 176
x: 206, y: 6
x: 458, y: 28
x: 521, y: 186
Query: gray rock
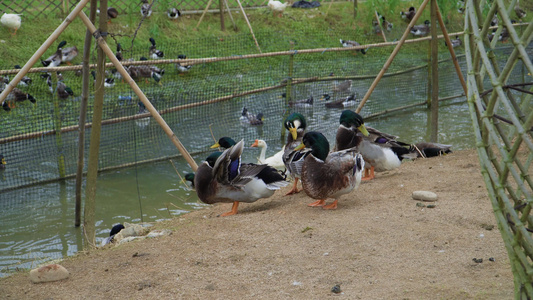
x: 53, y: 272
x: 424, y: 196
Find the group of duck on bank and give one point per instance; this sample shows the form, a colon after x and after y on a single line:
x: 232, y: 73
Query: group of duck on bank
x: 306, y: 157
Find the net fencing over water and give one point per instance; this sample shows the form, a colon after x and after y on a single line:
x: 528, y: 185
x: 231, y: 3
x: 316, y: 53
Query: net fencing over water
x: 35, y: 153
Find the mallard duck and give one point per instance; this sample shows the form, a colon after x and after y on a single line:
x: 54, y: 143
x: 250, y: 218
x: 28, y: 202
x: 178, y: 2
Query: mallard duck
x: 348, y: 43
x: 328, y: 175
x: 341, y: 103
x: 421, y: 30
x: 55, y: 59
x: 25, y: 81
x: 15, y: 96
x: 520, y: 13
x: 154, y: 52
x: 145, y: 71
x: 190, y: 178
x: 427, y: 149
x: 460, y: 6
x: 249, y: 118
x: 495, y: 20
x: 112, y: 13
x: 409, y: 14
x: 173, y: 13
x: 2, y: 162
x: 275, y: 161
x: 118, y: 54
x: 109, y: 82
x: 343, y: 87
x: 350, y: 125
x: 63, y: 91
x: 224, y: 142
x: 296, y: 124
x: 146, y: 9
x: 276, y: 7
x: 386, y: 24
x: 142, y: 122
x: 114, y: 230
x: 181, y: 68
x: 68, y: 54
x: 307, y: 102
x: 455, y: 43
x: 223, y: 178
x: 11, y: 21
x: 504, y: 35
x: 376, y: 27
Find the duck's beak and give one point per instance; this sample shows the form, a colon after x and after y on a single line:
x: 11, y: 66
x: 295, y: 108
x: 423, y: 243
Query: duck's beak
x: 363, y: 130
x: 3, y: 161
x: 216, y: 145
x: 299, y: 147
x: 255, y: 144
x: 294, y: 133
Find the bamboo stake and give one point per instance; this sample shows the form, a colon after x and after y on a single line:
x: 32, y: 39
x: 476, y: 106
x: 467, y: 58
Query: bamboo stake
x: 230, y: 15
x: 434, y: 137
x: 392, y: 56
x: 203, y: 14
x: 249, y: 26
x: 37, y: 55
x: 83, y: 116
x: 222, y: 23
x: 89, y: 221
x: 139, y: 93
x: 381, y: 27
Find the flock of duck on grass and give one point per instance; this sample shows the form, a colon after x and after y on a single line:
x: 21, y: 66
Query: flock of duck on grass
x: 305, y: 157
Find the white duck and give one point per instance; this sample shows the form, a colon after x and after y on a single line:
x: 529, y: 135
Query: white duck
x: 275, y: 161
x: 11, y: 21
x: 276, y: 6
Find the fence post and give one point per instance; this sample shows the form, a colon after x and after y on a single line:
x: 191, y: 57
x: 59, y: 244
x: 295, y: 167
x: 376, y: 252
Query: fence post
x: 434, y: 74
x: 222, y: 25
x: 57, y: 128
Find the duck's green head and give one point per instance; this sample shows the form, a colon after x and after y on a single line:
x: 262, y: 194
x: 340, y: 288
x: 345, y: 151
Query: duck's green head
x: 212, y: 158
x: 352, y: 119
x: 189, y: 177
x: 325, y: 97
x: 295, y: 122
x: 2, y: 162
x: 317, y: 142
x: 224, y: 142
x: 61, y: 45
x: 69, y: 91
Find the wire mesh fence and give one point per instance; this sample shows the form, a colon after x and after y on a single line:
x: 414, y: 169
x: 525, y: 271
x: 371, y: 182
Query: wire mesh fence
x: 207, y: 97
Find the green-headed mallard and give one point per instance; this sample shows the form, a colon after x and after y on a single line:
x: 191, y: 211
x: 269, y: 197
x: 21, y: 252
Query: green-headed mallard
x: 173, y: 13
x: 307, y: 102
x: 190, y: 178
x: 328, y: 175
x: 154, y: 52
x: 224, y: 142
x: 64, y: 91
x: 340, y: 103
x: 145, y: 71
x: 15, y: 96
x: 351, y: 124
x: 223, y: 178
x: 109, y: 82
x: 182, y: 68
x: 409, y: 14
x: 249, y: 118
x: 68, y: 54
x: 55, y: 59
x: 146, y: 9
x: 25, y: 81
x: 348, y: 43
x: 296, y: 124
x: 275, y: 161
x: 421, y: 30
x: 142, y: 122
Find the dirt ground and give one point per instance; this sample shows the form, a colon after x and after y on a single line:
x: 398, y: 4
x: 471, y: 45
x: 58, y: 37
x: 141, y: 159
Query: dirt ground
x: 378, y: 244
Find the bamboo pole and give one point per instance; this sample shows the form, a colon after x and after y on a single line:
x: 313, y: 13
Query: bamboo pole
x: 37, y: 55
x: 230, y: 15
x: 222, y: 25
x: 203, y: 14
x: 249, y: 26
x: 139, y: 93
x: 392, y: 56
x: 434, y: 75
x: 83, y: 115
x: 89, y: 221
x: 381, y: 27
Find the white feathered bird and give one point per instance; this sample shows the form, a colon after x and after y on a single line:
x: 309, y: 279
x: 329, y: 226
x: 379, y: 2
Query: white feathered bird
x: 276, y: 6
x: 11, y: 21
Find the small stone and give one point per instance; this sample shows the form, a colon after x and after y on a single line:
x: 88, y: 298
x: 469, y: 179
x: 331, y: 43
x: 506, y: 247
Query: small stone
x: 492, y: 259
x: 477, y: 260
x: 53, y: 272
x: 336, y: 289
x: 431, y: 206
x: 424, y: 196
x: 420, y: 204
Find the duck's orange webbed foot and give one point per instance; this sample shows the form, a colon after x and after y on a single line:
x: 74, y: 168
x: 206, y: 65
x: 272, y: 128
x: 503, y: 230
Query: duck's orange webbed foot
x: 294, y: 189
x: 331, y: 206
x: 369, y: 175
x: 233, y: 210
x: 317, y: 203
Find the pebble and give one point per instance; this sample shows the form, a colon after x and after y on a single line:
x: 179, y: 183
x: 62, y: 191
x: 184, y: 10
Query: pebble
x: 48, y: 273
x: 424, y: 196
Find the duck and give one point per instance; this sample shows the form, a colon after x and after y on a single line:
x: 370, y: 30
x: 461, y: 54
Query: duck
x: 112, y: 13
x: 2, y: 162
x: 409, y: 14
x: 154, y: 52
x: 277, y: 7
x: 386, y: 24
x: 15, y: 96
x: 296, y: 124
x: 118, y: 54
x: 146, y: 9
x: 142, y: 122
x: 222, y: 178
x: 173, y: 13
x: 114, y: 230
x: 455, y: 43
x: 421, y: 30
x: 190, y: 178
x: 68, y: 54
x: 427, y: 149
x: 460, y: 6
x: 11, y: 21
x: 181, y: 68
x: 327, y: 174
x: 376, y: 27
x: 25, y: 81
x: 275, y: 161
x: 341, y: 103
x: 343, y: 86
x: 224, y: 142
x: 249, y: 118
x: 381, y: 151
x: 145, y: 71
x: 495, y: 20
x: 109, y: 82
x: 348, y: 43
x: 63, y: 91
x: 520, y: 13
x: 56, y: 59
x: 307, y: 102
